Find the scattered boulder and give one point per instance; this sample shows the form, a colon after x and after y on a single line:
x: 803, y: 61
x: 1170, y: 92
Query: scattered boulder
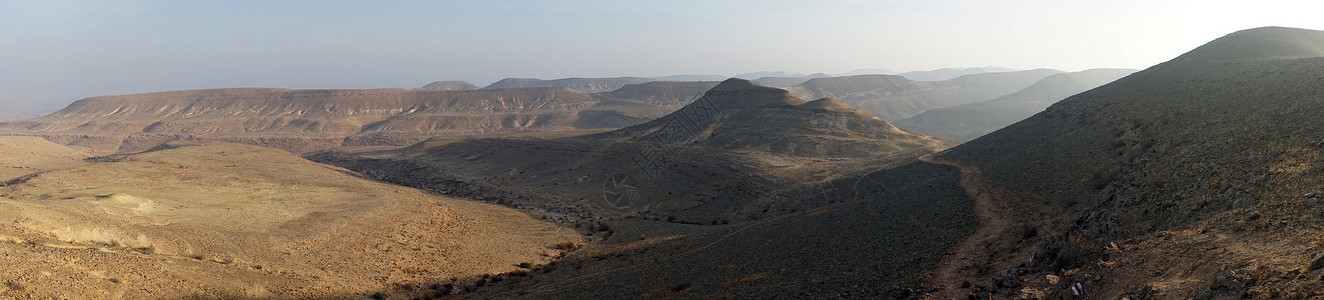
x: 1230, y: 285
x: 1141, y: 293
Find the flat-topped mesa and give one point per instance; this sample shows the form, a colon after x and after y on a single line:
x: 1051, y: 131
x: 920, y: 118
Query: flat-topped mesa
x: 451, y: 85
x: 834, y: 107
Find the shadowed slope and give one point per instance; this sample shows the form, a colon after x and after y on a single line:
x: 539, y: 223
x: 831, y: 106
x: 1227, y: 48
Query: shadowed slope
x: 1173, y: 181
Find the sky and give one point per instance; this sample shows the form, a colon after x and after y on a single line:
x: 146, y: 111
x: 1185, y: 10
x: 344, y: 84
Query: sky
x: 53, y: 52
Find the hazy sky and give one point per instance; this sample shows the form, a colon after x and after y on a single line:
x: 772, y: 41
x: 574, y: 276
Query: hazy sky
x: 53, y: 52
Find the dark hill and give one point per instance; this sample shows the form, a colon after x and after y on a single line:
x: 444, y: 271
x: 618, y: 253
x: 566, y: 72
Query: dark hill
x: 968, y: 121
x: 785, y: 124
x: 1195, y: 178
x: 587, y: 85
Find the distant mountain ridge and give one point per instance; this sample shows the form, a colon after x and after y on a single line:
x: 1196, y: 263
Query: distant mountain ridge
x: 951, y: 73
x: 968, y: 121
x: 892, y: 97
x: 587, y: 85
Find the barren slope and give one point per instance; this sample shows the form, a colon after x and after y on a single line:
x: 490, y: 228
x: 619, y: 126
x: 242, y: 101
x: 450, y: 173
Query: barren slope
x: 968, y: 121
x: 1196, y: 178
x: 22, y: 155
x: 226, y: 220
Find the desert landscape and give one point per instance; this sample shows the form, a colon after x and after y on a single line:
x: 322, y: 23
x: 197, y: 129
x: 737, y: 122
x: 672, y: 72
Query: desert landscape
x: 550, y: 171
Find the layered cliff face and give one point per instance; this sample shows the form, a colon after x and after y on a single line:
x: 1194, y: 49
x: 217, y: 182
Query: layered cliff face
x: 307, y: 120
x: 1195, y: 178
x: 587, y: 85
x: 893, y: 98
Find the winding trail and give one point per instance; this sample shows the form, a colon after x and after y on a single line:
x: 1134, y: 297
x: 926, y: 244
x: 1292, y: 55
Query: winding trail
x: 994, y: 224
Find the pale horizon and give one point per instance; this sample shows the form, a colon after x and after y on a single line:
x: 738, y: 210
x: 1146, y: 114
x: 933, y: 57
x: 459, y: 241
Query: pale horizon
x: 68, y: 50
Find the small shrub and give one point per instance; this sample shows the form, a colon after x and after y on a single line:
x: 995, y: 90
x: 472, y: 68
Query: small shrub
x: 14, y: 285
x: 567, y: 246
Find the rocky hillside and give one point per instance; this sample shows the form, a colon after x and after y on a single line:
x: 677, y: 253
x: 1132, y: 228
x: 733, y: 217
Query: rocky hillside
x: 449, y: 86
x: 307, y: 120
x: 966, y: 122
x: 894, y: 98
x: 587, y: 85
x: 1195, y: 178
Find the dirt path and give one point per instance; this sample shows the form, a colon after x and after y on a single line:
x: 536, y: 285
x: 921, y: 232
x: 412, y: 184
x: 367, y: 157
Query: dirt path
x: 994, y: 223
